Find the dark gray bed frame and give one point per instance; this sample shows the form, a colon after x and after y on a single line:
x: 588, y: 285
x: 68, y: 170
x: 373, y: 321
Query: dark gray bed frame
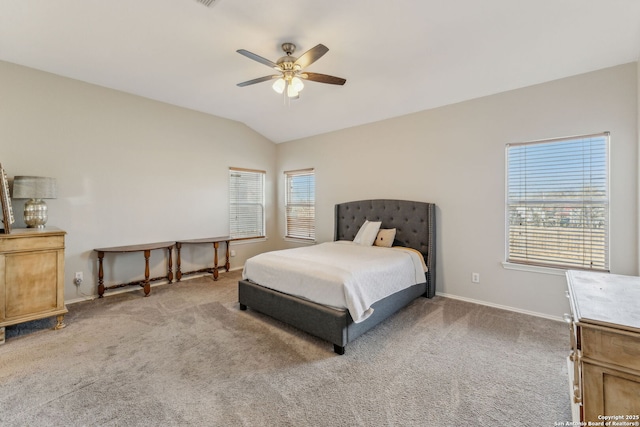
x: 415, y: 228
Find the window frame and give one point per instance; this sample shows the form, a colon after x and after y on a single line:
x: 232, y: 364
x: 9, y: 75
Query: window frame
x: 302, y: 232
x: 257, y: 199
x: 591, y: 202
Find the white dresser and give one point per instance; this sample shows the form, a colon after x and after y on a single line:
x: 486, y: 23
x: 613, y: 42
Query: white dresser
x: 604, y: 364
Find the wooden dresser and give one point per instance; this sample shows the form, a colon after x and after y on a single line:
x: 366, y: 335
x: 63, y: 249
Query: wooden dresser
x: 31, y: 276
x: 604, y: 364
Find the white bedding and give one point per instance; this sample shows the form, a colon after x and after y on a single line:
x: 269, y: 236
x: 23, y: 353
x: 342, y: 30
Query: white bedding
x: 338, y: 274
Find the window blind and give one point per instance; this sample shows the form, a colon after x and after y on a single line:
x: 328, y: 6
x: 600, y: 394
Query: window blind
x: 246, y: 203
x: 558, y: 202
x: 300, y: 200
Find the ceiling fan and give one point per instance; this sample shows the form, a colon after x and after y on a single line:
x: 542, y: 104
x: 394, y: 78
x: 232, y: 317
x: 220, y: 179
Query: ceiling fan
x: 290, y: 70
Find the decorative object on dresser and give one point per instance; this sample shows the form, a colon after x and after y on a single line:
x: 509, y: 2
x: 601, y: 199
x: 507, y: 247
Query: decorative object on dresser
x: 34, y: 188
x: 604, y: 365
x: 31, y: 276
x: 5, y: 198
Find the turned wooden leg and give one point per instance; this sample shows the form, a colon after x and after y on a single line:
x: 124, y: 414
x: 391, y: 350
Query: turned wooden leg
x: 215, y: 260
x: 178, y: 263
x: 60, y: 322
x: 147, y: 285
x: 170, y: 266
x: 100, y: 275
x: 227, y: 264
x: 2, y: 335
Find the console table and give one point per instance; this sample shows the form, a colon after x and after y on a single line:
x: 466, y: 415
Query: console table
x: 604, y: 365
x: 207, y: 240
x: 31, y: 276
x: 146, y: 249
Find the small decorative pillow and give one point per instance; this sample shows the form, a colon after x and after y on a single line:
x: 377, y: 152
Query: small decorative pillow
x: 367, y: 233
x: 385, y: 237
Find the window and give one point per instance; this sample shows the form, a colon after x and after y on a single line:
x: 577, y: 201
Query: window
x: 558, y: 202
x: 300, y: 199
x: 246, y: 203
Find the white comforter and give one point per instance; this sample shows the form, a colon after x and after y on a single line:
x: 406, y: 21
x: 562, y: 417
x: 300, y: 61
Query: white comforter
x: 338, y: 274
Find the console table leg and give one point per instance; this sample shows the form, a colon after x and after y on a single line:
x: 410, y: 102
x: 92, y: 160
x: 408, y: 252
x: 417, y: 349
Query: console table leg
x: 178, y: 262
x: 227, y: 264
x: 215, y: 260
x: 169, y: 266
x: 100, y: 275
x: 147, y: 285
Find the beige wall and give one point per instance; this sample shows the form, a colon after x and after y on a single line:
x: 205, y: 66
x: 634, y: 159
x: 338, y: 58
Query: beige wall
x: 454, y: 156
x: 132, y: 170
x: 129, y: 170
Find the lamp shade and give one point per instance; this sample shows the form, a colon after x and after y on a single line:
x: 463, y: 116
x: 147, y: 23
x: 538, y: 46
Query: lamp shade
x: 34, y: 187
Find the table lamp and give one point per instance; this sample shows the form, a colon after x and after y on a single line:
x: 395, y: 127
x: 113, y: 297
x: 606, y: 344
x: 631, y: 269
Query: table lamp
x: 34, y: 188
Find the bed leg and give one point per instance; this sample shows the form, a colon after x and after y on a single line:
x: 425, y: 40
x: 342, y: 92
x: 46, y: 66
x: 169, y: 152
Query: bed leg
x: 338, y: 349
x: 243, y: 307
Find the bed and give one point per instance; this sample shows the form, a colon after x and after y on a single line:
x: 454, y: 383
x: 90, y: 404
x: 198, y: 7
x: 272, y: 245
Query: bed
x: 415, y: 228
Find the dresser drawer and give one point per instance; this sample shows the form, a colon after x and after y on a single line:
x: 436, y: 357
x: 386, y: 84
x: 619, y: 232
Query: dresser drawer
x: 608, y: 345
x: 31, y: 244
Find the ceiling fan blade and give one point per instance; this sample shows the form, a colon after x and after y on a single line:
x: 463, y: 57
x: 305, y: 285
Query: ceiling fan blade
x: 258, y: 58
x: 258, y: 80
x: 311, y: 56
x: 323, y: 78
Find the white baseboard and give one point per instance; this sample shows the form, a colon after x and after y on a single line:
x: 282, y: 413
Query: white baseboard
x: 502, y: 307
x: 80, y: 299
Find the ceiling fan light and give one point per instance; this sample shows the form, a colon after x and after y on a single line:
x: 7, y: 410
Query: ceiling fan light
x: 292, y: 92
x: 297, y: 84
x: 279, y: 85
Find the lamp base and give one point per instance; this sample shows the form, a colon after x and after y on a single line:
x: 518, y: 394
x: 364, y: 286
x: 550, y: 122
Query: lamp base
x: 35, y: 213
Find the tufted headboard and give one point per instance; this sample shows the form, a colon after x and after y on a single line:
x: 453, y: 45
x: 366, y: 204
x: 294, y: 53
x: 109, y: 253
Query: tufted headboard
x: 414, y: 223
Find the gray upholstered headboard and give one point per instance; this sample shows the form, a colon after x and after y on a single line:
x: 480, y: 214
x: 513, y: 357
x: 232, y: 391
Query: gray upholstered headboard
x: 414, y: 223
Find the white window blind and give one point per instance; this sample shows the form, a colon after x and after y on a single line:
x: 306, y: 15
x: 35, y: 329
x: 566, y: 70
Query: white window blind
x: 300, y: 200
x: 246, y: 203
x: 558, y: 202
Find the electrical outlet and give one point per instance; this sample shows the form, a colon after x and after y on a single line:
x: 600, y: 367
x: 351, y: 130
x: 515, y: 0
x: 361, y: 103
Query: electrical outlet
x: 78, y: 279
x: 232, y: 253
x: 475, y: 277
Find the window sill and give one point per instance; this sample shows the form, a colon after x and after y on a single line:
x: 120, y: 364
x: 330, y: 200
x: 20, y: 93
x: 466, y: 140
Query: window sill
x: 247, y: 240
x: 294, y: 240
x: 534, y: 268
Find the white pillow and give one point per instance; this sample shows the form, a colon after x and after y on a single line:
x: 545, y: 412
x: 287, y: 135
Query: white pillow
x: 367, y: 233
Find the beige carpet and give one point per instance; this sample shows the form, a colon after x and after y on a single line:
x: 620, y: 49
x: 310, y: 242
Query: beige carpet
x: 187, y: 356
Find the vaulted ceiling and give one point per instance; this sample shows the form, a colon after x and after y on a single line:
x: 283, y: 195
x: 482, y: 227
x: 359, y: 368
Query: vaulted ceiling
x: 398, y: 56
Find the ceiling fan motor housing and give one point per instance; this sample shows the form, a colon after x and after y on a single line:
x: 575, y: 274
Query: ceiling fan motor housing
x: 287, y: 63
